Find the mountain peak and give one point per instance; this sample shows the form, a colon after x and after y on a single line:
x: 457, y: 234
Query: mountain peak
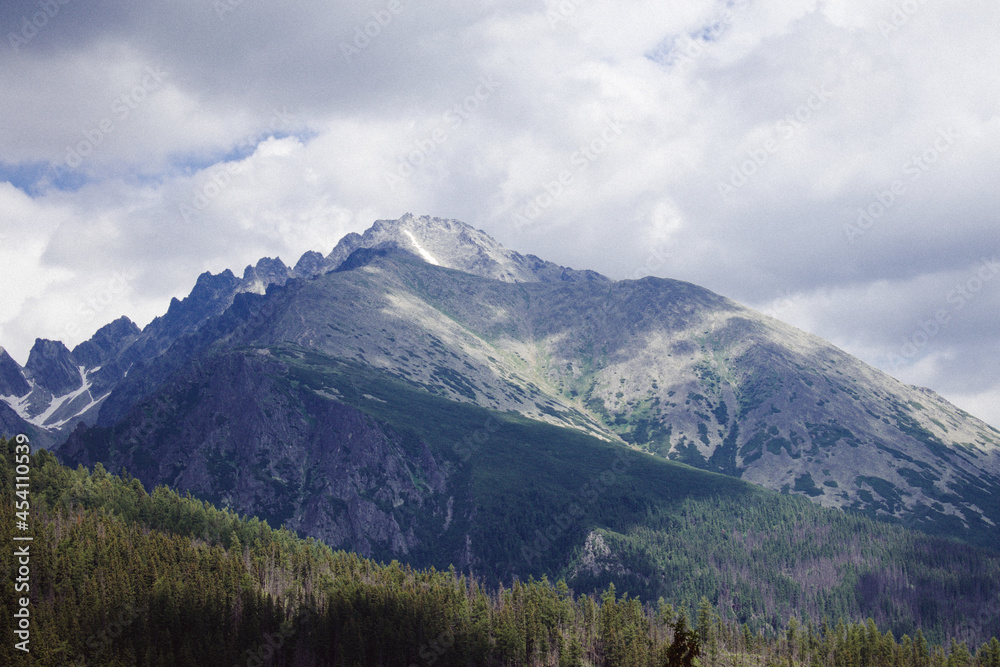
x: 268, y: 271
x: 106, y: 343
x: 51, y: 365
x: 12, y: 382
x: 456, y: 245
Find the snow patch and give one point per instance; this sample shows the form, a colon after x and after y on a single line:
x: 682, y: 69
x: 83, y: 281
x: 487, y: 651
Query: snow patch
x: 62, y: 400
x: 20, y: 404
x: 90, y: 404
x: 429, y: 258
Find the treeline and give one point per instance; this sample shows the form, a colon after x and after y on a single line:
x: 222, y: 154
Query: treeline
x: 123, y: 577
x: 764, y: 562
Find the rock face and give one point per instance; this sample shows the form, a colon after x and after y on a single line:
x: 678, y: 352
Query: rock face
x: 12, y: 423
x: 666, y: 367
x: 235, y: 431
x: 596, y: 558
x: 267, y: 272
x: 310, y: 264
x: 58, y: 389
x: 12, y: 382
x: 102, y: 362
x: 456, y: 245
x: 662, y: 366
x: 52, y: 367
x: 107, y: 343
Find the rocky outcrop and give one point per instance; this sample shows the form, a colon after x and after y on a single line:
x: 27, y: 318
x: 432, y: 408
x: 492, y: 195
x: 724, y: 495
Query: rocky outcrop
x: 235, y: 430
x: 596, y: 559
x: 52, y: 367
x: 456, y: 245
x: 12, y: 382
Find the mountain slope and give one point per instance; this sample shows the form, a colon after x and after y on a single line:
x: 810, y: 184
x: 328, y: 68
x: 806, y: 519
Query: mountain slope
x: 664, y: 366
x: 394, y: 472
x: 456, y: 245
x: 423, y: 394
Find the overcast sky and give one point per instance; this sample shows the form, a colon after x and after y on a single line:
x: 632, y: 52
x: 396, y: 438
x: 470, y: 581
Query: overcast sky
x: 834, y: 164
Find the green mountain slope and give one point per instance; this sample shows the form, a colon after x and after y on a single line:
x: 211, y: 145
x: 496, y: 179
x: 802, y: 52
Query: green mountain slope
x: 392, y: 470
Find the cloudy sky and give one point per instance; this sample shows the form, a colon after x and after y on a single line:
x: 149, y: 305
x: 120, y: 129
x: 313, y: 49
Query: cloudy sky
x: 834, y: 164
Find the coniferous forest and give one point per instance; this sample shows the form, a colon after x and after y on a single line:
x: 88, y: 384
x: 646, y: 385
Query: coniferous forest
x: 123, y: 577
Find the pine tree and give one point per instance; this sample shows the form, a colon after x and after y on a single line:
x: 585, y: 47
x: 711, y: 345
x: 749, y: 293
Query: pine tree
x: 791, y: 638
x: 959, y: 655
x: 988, y: 654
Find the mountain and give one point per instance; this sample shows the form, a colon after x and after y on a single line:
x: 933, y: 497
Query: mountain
x: 367, y: 461
x: 66, y: 388
x: 422, y: 393
x: 660, y: 365
x: 456, y: 245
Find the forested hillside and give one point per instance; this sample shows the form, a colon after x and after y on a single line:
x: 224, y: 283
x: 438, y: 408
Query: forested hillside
x: 122, y: 577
